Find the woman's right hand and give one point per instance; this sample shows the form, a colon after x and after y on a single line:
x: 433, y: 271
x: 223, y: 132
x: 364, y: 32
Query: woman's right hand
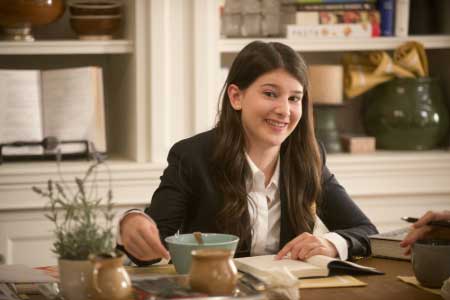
x: 140, y: 237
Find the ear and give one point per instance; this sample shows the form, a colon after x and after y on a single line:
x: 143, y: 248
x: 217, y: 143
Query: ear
x: 235, y: 95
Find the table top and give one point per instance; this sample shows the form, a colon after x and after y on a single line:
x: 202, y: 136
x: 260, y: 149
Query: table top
x: 379, y: 286
x: 383, y: 287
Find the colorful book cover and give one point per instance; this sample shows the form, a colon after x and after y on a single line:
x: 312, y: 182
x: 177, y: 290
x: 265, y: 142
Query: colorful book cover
x: 329, y: 31
x: 335, y: 6
x: 340, y: 17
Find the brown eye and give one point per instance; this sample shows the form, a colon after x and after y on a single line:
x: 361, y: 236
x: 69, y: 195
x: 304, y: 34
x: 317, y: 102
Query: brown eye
x: 270, y: 94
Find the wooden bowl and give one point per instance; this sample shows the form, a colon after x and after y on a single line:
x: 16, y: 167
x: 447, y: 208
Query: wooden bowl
x: 95, y: 27
x: 17, y: 16
x: 95, y: 8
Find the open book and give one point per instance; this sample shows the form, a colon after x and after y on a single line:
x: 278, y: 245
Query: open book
x: 316, y: 266
x: 65, y: 103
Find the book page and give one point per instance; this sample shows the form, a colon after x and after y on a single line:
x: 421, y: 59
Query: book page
x: 72, y: 103
x: 261, y: 265
x: 20, y: 113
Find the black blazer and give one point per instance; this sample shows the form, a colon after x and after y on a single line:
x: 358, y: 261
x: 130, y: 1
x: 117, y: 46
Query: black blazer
x: 187, y: 200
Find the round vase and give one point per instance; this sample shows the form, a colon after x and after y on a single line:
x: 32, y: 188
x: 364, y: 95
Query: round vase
x: 110, y: 279
x: 213, y: 272
x: 76, y: 279
x: 406, y: 114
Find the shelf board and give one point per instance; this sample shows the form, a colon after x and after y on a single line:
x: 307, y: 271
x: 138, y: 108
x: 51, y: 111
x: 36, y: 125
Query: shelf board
x: 63, y: 47
x: 233, y: 45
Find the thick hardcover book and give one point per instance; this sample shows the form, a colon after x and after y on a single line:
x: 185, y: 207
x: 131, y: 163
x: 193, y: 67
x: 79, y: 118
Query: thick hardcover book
x: 401, y: 18
x: 357, y: 30
x: 335, y: 6
x: 316, y: 266
x: 387, y: 244
x: 387, y: 16
x: 64, y: 103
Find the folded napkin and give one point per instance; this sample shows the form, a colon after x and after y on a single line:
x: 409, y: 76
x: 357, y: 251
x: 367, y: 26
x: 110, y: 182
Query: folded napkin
x: 363, y: 71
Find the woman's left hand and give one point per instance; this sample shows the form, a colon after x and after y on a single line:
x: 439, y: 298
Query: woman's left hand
x: 306, y: 245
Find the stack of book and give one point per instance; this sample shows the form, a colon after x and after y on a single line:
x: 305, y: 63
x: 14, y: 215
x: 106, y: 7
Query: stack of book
x: 332, y: 19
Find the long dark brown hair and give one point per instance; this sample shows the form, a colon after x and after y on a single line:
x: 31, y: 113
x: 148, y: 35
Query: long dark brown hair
x: 300, y: 164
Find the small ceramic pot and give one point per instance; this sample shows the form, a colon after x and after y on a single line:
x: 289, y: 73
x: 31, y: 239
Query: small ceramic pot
x: 431, y: 262
x: 110, y: 279
x: 76, y: 279
x: 213, y: 272
x: 95, y: 27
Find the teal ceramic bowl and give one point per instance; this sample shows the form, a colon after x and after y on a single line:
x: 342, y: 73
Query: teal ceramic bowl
x: 180, y: 247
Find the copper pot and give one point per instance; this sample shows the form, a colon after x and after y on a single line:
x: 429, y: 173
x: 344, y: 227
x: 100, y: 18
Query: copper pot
x: 17, y: 16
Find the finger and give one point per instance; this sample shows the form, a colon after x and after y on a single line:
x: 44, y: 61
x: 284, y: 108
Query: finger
x: 414, y: 235
x: 287, y: 248
x: 307, y: 248
x: 427, y: 217
x: 407, y: 251
x: 136, y: 252
x: 296, y: 249
x: 151, y: 238
x: 315, y: 251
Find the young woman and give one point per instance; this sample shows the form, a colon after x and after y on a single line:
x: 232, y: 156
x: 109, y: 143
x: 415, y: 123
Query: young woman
x: 259, y: 174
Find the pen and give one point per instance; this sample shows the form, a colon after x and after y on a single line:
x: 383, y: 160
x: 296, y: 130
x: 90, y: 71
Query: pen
x: 432, y: 223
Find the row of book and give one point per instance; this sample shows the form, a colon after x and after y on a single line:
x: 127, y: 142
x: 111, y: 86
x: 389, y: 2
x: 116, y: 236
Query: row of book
x: 345, y: 18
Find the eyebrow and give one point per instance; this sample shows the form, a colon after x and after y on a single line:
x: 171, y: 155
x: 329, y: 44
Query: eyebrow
x: 276, y: 86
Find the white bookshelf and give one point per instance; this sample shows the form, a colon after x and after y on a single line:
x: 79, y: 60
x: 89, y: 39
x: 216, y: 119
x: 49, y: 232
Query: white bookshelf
x: 228, y: 45
x: 66, y: 47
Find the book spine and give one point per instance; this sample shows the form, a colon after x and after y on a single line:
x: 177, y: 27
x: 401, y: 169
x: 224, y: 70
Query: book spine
x: 310, y: 18
x: 329, y: 31
x: 402, y: 18
x: 327, y: 1
x: 387, y: 15
x: 335, y: 6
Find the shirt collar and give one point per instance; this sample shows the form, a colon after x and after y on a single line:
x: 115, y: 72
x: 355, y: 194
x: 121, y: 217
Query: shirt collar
x: 256, y: 172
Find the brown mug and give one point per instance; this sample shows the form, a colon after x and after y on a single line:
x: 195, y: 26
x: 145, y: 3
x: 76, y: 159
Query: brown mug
x: 213, y: 272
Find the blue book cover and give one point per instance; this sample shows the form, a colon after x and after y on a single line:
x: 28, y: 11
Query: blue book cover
x: 387, y: 15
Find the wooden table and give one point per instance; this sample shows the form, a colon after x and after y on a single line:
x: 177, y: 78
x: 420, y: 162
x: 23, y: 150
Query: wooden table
x: 380, y: 287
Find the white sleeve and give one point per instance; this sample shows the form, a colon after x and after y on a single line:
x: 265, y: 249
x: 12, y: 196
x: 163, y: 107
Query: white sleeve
x: 338, y: 241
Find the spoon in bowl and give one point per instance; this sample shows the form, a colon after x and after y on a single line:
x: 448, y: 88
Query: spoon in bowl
x: 198, y: 237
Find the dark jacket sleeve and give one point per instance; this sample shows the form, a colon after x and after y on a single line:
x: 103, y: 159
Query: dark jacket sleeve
x: 341, y: 215
x: 168, y: 207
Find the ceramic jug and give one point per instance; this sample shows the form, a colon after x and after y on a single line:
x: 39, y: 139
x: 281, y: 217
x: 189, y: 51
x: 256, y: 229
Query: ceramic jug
x: 110, y: 279
x: 213, y: 272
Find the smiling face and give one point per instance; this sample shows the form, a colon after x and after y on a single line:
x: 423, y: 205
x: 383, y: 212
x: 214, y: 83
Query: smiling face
x: 271, y: 108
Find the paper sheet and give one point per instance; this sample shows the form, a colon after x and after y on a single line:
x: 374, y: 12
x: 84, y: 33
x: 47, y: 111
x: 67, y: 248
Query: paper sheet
x: 23, y: 274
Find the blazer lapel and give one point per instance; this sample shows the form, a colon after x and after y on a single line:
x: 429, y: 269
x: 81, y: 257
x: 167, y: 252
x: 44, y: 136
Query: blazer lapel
x: 286, y: 230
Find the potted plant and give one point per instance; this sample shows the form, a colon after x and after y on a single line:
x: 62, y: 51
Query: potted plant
x: 80, y: 232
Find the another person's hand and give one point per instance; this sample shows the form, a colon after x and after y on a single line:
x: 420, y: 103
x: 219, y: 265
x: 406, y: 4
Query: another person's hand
x: 140, y: 237
x: 420, y: 229
x: 306, y: 245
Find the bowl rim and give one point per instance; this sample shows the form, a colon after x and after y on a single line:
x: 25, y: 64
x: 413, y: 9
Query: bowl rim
x: 96, y: 17
x: 111, y: 4
x: 171, y: 240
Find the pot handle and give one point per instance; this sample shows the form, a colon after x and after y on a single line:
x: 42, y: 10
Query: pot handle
x: 96, y: 266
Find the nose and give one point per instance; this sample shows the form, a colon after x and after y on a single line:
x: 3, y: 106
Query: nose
x: 283, y: 108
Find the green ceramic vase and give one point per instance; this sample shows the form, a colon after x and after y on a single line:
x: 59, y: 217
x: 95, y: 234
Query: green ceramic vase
x: 407, y: 114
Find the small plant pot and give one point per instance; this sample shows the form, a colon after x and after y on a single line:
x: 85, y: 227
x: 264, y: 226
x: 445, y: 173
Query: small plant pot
x: 76, y: 279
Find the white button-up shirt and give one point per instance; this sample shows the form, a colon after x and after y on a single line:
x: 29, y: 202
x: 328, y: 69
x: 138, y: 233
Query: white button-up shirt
x: 265, y: 213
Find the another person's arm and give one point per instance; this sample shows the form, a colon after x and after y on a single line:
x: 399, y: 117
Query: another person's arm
x: 421, y: 229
